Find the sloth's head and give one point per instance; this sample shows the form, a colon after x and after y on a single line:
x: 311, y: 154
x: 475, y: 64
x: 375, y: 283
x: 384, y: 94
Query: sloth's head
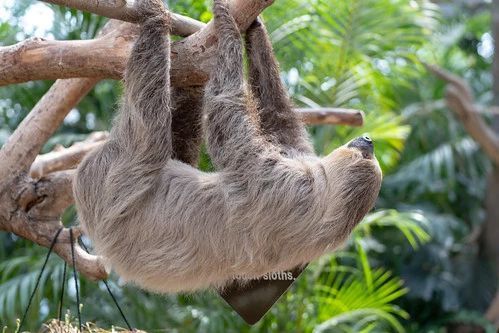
x: 354, y: 180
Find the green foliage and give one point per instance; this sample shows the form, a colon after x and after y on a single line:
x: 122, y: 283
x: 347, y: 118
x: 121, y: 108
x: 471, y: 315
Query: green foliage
x: 348, y: 302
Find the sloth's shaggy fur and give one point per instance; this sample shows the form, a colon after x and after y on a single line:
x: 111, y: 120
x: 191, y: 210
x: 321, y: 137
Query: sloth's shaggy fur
x: 272, y: 205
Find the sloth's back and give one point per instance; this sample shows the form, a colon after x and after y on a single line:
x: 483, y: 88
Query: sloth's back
x: 201, y: 229
x: 209, y: 227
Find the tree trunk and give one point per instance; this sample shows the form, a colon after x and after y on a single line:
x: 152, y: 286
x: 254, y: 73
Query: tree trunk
x: 490, y: 235
x: 489, y: 240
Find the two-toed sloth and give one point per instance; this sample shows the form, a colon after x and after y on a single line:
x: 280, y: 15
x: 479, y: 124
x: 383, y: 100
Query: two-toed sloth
x: 271, y: 205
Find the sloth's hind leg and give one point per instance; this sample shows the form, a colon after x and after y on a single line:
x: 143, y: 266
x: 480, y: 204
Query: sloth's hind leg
x: 278, y: 119
x: 233, y: 137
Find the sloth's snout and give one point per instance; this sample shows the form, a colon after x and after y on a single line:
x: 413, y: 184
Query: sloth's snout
x: 364, y: 144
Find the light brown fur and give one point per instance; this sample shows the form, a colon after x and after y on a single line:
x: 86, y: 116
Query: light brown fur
x: 272, y: 205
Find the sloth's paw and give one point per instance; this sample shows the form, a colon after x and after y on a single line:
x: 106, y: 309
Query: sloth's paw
x: 220, y: 9
x: 153, y: 12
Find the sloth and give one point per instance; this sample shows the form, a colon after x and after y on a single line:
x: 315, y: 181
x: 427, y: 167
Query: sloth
x: 271, y: 205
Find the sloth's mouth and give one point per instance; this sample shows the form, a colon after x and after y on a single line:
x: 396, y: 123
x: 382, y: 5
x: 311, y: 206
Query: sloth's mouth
x: 364, y: 144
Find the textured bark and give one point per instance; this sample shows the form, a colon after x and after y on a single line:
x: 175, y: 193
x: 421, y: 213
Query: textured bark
x: 32, y: 208
x: 332, y: 116
x: 66, y: 158
x: 192, y: 57
x: 122, y: 10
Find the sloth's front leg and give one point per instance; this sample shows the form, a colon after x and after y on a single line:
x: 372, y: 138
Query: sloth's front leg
x: 187, y: 112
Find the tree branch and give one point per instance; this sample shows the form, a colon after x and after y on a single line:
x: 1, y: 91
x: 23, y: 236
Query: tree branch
x: 32, y: 208
x: 122, y: 10
x: 40, y: 59
x: 25, y: 143
x: 22, y: 147
x: 67, y: 158
x: 332, y: 116
x: 192, y: 57
x: 34, y: 215
x: 460, y: 100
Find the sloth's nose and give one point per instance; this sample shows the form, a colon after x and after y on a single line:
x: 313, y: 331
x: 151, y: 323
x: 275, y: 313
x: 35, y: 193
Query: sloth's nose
x: 364, y: 144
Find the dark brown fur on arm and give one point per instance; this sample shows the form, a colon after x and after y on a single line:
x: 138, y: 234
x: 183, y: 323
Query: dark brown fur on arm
x: 187, y: 104
x: 278, y: 119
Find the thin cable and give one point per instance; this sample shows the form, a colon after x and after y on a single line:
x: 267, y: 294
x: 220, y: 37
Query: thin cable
x: 63, y: 284
x: 112, y: 296
x: 75, y: 276
x: 54, y: 240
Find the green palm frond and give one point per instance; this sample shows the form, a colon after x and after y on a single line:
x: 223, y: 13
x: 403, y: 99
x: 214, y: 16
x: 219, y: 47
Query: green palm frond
x: 361, y: 297
x: 354, y: 51
x: 439, y: 169
x: 19, y: 275
x: 411, y: 224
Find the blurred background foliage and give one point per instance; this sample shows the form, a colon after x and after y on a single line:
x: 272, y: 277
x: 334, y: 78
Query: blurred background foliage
x: 410, y: 266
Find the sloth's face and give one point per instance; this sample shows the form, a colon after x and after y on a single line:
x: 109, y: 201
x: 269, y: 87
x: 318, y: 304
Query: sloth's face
x: 355, y: 157
x: 354, y: 177
x: 365, y: 145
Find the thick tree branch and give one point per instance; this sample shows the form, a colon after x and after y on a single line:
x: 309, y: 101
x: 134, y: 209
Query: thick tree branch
x: 460, y: 100
x: 25, y: 143
x: 22, y: 147
x: 122, y: 10
x: 37, y: 58
x: 35, y: 207
x: 192, y: 57
x: 32, y: 208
